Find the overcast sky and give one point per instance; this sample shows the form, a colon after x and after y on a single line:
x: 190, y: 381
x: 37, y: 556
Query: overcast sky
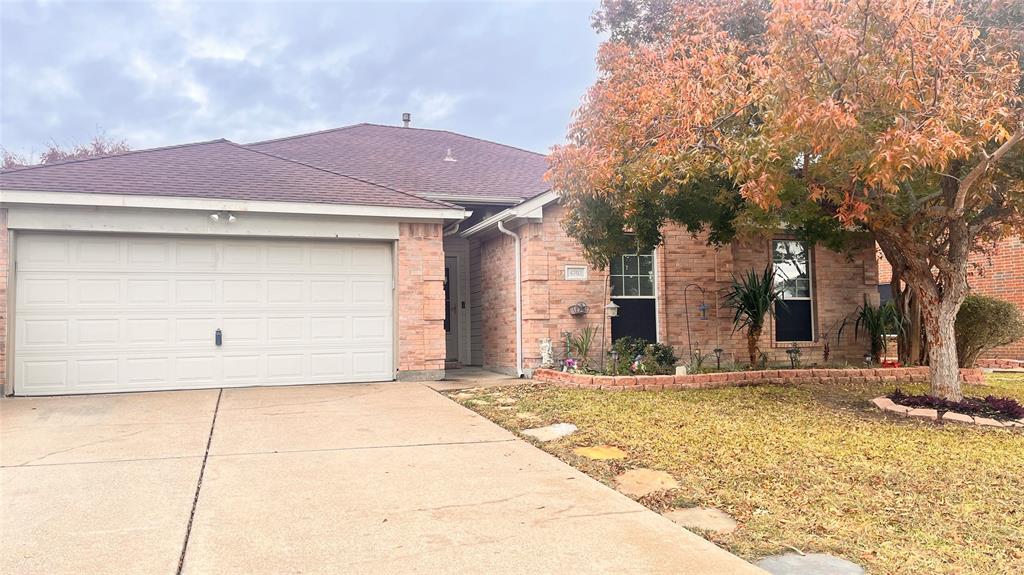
x: 167, y: 73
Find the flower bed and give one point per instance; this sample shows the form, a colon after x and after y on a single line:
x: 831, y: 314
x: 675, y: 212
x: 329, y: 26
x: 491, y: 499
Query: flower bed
x: 976, y: 411
x: 740, y: 378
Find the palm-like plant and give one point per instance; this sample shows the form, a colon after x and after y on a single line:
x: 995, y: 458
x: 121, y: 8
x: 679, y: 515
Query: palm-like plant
x: 753, y: 298
x: 876, y: 322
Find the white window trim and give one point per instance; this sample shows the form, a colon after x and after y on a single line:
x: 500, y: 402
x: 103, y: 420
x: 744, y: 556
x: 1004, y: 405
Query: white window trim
x: 654, y: 280
x: 811, y: 289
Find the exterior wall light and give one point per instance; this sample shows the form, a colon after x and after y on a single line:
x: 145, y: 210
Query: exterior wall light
x: 611, y: 310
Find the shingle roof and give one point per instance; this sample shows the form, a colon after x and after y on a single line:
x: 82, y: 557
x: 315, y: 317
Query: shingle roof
x: 218, y: 169
x: 413, y: 159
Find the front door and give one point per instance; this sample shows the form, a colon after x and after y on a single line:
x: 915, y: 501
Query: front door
x: 632, y: 287
x: 451, y: 309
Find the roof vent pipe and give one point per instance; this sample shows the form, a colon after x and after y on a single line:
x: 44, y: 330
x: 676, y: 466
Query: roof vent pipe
x: 406, y: 119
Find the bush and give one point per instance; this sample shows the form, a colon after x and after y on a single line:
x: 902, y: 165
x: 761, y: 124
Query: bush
x: 984, y: 323
x: 637, y: 355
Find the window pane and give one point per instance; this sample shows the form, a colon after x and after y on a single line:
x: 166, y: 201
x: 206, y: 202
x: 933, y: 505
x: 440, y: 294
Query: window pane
x: 793, y: 321
x: 646, y: 265
x: 790, y: 266
x: 616, y: 285
x: 646, y: 286
x: 630, y: 265
x: 615, y: 266
x: 631, y: 286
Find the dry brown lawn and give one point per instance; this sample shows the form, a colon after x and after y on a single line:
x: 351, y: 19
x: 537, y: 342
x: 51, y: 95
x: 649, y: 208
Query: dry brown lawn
x: 807, y: 468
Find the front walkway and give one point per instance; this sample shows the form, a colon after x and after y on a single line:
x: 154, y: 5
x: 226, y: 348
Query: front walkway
x: 383, y: 478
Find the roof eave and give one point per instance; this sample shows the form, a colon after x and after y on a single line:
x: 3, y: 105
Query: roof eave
x: 10, y: 197
x: 532, y: 209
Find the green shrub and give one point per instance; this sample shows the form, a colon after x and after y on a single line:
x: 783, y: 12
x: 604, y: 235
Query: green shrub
x: 984, y: 323
x: 650, y: 358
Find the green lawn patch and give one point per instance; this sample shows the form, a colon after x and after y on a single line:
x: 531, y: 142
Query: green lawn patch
x: 807, y: 467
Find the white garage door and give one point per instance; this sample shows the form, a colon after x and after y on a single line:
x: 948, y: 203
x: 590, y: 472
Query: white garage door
x: 99, y: 313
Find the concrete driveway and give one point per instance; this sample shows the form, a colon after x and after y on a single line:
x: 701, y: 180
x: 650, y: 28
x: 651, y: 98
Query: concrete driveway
x: 382, y: 478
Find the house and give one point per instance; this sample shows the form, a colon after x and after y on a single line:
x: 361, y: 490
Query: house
x: 998, y: 272
x: 363, y: 253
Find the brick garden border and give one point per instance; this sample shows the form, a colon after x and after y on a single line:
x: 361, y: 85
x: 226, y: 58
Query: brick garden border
x: 886, y: 404
x: 1000, y: 363
x: 743, y: 378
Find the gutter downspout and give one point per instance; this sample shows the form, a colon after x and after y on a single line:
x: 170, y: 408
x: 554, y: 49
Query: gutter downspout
x: 519, y: 298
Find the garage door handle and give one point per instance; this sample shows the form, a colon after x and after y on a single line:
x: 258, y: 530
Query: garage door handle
x: 218, y: 338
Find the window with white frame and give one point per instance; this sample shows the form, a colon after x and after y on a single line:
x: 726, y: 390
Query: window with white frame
x: 791, y: 264
x: 632, y: 275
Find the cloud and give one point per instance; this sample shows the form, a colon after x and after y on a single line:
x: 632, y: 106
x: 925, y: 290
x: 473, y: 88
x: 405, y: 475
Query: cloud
x: 165, y: 73
x: 433, y: 107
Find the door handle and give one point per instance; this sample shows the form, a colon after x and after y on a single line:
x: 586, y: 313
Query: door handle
x: 218, y: 337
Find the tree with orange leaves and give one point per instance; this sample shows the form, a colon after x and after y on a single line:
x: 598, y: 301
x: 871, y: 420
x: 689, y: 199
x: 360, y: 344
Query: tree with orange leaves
x: 902, y: 118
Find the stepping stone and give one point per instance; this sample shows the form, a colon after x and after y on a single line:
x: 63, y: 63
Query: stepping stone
x: 600, y: 452
x: 706, y: 518
x: 810, y: 564
x: 641, y: 482
x: 551, y: 432
x: 462, y: 396
x: 527, y: 415
x: 507, y: 400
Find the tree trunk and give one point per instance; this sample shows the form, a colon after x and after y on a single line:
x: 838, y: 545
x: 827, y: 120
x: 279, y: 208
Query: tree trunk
x: 942, y: 360
x: 753, y: 335
x: 938, y: 295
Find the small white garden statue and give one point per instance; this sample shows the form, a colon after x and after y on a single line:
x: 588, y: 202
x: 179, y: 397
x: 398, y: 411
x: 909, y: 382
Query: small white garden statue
x: 547, y: 353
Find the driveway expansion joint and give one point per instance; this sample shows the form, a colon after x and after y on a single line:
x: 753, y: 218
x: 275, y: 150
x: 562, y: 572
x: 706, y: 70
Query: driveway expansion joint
x: 364, y: 447
x: 199, y: 485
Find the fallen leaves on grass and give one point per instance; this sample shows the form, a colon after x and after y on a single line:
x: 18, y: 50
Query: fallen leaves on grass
x: 809, y: 467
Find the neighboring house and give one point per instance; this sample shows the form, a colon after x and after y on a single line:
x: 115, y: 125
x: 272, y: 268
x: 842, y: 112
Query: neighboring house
x: 363, y: 253
x: 997, y: 273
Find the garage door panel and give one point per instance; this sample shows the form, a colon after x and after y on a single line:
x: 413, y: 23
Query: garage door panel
x: 98, y: 252
x: 197, y: 369
x: 242, y: 292
x: 45, y: 374
x: 45, y: 332
x: 285, y: 365
x: 97, y: 291
x: 97, y: 332
x: 102, y: 313
x: 45, y: 292
x: 44, y: 251
x: 98, y: 372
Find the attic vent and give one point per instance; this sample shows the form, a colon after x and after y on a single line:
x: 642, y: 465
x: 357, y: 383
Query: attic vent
x: 448, y: 157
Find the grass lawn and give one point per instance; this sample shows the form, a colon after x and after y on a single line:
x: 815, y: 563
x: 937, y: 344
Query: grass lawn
x: 806, y: 467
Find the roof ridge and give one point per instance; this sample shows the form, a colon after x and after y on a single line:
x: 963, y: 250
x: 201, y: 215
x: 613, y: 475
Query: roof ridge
x: 118, y: 154
x: 454, y: 134
x: 316, y: 133
x: 332, y: 172
x: 340, y: 128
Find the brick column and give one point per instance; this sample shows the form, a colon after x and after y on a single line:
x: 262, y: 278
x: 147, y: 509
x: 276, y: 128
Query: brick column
x: 421, y: 338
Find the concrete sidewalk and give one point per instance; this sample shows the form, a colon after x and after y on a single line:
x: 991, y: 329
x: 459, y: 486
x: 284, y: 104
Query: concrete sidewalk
x: 390, y: 478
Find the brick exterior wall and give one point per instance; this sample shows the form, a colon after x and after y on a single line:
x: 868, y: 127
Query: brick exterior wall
x: 4, y: 274
x: 421, y: 341
x: 999, y: 273
x: 840, y: 285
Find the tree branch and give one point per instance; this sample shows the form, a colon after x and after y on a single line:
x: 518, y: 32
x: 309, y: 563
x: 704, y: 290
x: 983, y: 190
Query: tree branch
x: 957, y: 209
